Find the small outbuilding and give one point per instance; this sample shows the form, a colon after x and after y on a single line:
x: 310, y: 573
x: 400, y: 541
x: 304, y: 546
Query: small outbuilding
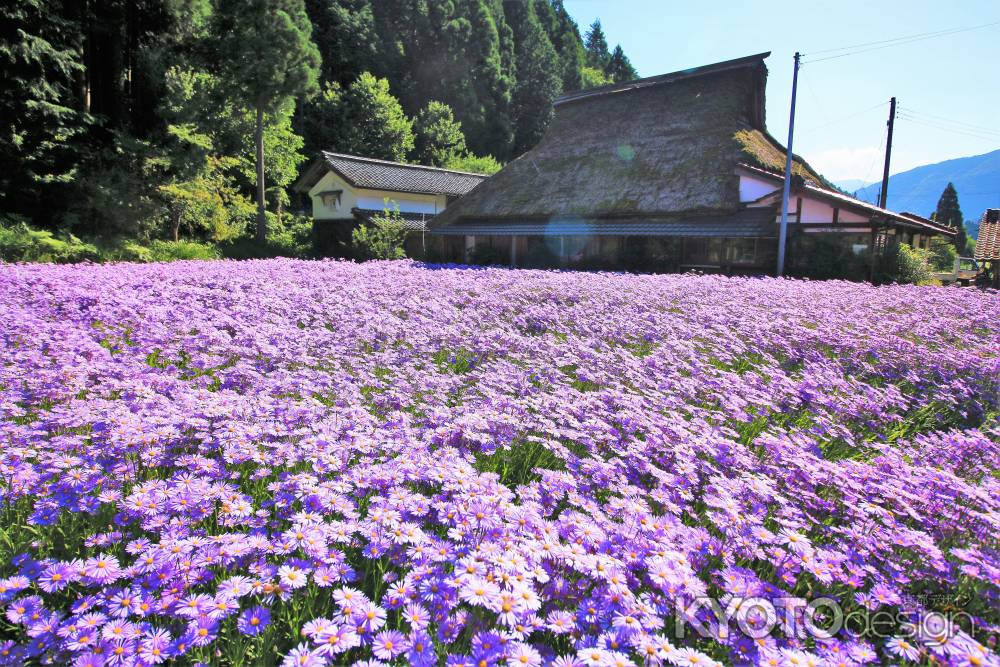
x: 342, y: 191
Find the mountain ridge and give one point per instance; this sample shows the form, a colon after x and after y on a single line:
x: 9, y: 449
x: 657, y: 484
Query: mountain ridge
x: 976, y: 179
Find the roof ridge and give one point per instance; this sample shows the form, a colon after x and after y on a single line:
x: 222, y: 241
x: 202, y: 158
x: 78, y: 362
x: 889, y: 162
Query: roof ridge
x: 669, y: 77
x: 362, y: 158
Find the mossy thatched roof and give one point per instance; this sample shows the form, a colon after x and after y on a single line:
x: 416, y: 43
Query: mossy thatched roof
x: 659, y: 146
x: 762, y: 150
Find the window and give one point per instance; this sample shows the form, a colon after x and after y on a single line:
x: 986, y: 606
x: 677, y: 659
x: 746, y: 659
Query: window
x: 741, y: 251
x: 330, y: 198
x: 701, y: 250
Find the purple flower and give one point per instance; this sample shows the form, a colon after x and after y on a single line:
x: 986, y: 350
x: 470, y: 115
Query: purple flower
x: 155, y: 648
x: 387, y: 645
x: 102, y: 569
x: 334, y: 640
x: 421, y: 651
x: 253, y: 621
x: 303, y: 656
x: 56, y: 577
x: 902, y: 648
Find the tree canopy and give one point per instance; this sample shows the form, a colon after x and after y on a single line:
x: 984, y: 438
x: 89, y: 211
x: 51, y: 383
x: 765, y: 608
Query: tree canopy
x: 439, y: 139
x: 164, y: 119
x: 950, y: 213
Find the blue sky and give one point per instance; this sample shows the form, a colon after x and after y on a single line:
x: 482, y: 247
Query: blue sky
x: 948, y: 87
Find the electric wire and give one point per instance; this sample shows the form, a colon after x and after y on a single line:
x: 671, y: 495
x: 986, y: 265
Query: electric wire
x: 945, y: 128
x: 835, y: 121
x: 950, y: 121
x: 887, y: 43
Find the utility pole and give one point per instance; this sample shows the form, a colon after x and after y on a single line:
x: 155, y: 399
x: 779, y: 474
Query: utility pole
x: 888, y: 152
x: 783, y: 231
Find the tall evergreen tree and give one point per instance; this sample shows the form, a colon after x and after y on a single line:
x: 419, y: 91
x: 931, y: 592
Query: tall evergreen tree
x: 345, y: 34
x: 950, y: 213
x: 596, y: 45
x: 39, y: 65
x: 538, y: 82
x: 266, y: 58
x: 619, y: 67
x: 485, y: 89
x: 564, y: 34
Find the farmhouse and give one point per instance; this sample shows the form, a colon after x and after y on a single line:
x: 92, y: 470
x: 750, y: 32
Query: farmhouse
x: 988, y: 244
x: 671, y: 172
x: 342, y: 191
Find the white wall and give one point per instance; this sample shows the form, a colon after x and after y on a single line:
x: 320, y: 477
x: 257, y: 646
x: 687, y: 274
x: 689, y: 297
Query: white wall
x: 819, y: 211
x: 406, y: 203
x: 755, y: 188
x: 352, y: 197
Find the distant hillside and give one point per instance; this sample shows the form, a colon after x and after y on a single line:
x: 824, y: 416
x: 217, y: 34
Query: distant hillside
x: 851, y: 184
x: 977, y: 179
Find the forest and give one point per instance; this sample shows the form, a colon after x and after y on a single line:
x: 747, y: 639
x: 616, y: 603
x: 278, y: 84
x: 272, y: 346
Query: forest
x: 146, y: 129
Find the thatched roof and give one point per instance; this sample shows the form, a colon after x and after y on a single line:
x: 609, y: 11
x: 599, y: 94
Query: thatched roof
x: 664, y: 145
x: 762, y: 150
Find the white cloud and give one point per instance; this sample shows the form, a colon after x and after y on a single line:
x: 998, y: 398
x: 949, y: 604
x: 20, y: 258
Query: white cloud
x: 843, y: 163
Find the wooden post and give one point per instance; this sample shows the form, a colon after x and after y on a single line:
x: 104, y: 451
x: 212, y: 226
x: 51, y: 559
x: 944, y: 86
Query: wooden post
x: 783, y: 231
x: 884, y: 194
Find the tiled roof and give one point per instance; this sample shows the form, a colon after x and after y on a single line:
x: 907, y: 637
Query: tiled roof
x: 363, y: 172
x: 839, y: 198
x: 745, y: 223
x: 988, y: 241
x: 414, y: 222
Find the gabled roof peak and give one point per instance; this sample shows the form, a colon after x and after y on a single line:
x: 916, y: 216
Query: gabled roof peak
x: 747, y: 61
x: 406, y: 165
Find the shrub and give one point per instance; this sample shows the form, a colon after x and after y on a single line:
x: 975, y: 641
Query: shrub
x: 125, y: 251
x: 903, y: 264
x: 21, y: 243
x: 292, y: 236
x: 168, y: 251
x: 382, y: 238
x: 487, y: 164
x: 540, y: 256
x: 942, y: 254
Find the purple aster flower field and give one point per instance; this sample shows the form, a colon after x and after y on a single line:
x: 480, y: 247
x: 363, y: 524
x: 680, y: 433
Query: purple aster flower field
x: 327, y: 463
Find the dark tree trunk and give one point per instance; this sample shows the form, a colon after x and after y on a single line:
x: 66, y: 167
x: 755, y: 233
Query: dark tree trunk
x: 259, y: 144
x: 175, y: 224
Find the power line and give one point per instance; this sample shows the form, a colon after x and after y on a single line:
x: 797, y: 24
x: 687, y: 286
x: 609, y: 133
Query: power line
x: 880, y: 105
x: 955, y: 130
x: 944, y: 126
x: 934, y: 33
x: 896, y: 41
x: 932, y: 117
